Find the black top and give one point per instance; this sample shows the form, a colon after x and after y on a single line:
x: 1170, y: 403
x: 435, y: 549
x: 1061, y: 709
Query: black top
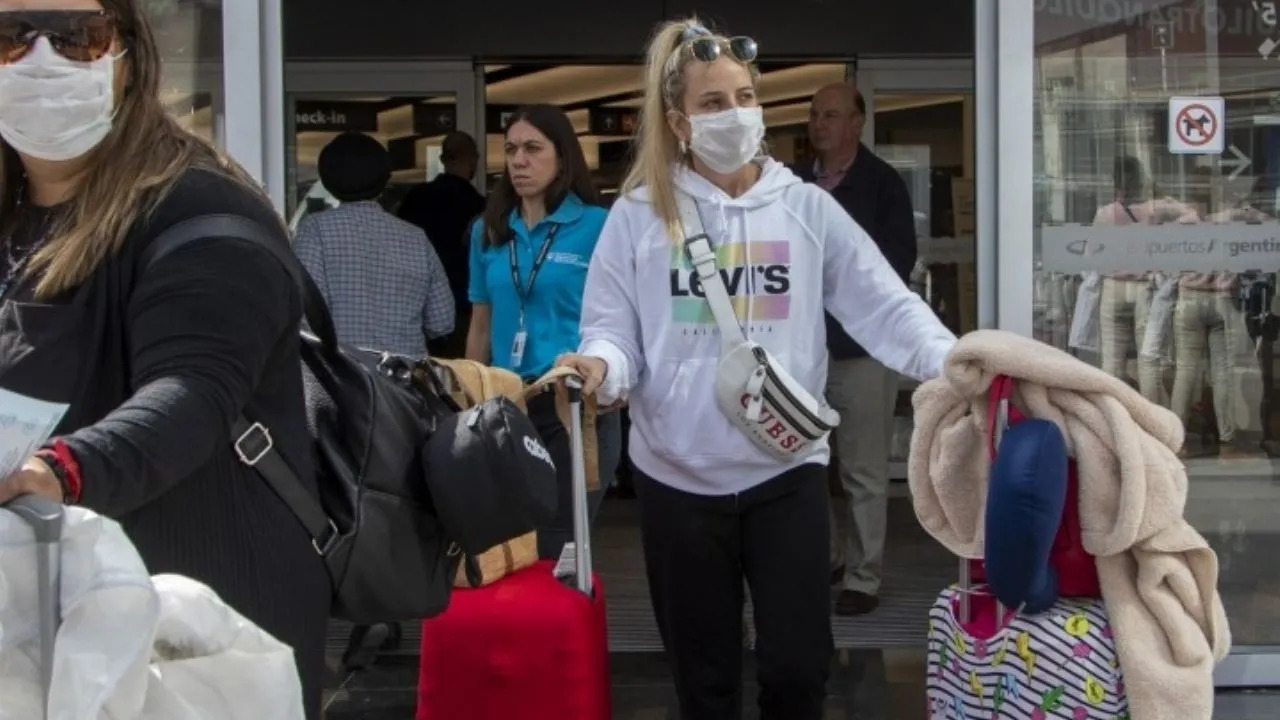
x: 168, y: 359
x: 444, y: 209
x: 874, y: 194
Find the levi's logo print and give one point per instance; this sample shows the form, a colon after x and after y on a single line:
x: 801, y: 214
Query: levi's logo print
x: 764, y: 285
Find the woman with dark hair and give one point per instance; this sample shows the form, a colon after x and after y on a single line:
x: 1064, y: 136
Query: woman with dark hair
x: 529, y: 256
x: 154, y: 361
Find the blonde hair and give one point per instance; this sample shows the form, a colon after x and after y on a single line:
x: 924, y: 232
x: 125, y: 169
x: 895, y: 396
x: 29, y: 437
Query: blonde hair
x: 658, y: 148
x: 128, y: 174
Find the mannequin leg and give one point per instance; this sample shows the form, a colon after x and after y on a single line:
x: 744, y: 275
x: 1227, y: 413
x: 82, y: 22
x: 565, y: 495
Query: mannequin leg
x: 1115, y: 326
x: 1220, y: 369
x: 1149, y: 381
x: 1190, y: 338
x: 1224, y: 344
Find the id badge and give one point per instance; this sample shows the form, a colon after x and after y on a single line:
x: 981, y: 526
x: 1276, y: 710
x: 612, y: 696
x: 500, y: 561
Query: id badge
x: 517, y: 349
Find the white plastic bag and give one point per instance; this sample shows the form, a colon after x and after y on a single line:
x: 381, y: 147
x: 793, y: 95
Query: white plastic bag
x: 108, y: 608
x: 208, y: 661
x: 131, y: 647
x: 1084, y: 333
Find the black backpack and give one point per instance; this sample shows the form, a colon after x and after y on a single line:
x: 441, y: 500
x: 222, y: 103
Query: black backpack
x: 374, y: 523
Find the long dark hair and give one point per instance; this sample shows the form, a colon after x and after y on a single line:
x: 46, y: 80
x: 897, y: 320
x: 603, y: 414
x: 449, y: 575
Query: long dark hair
x: 1130, y: 180
x: 574, y: 175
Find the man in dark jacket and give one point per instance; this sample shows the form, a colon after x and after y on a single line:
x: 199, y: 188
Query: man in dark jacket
x: 862, y: 390
x: 444, y: 209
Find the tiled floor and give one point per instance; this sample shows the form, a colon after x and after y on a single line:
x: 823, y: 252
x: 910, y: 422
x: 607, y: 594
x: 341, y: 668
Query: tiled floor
x: 865, y: 685
x: 1236, y: 514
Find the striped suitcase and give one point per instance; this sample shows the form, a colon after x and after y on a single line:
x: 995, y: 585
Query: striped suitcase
x: 985, y: 663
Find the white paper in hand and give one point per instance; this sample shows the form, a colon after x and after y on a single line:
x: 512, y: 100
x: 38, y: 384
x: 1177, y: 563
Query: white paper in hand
x: 25, y: 424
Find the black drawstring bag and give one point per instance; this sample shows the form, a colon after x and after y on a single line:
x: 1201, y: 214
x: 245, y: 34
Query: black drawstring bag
x: 489, y: 475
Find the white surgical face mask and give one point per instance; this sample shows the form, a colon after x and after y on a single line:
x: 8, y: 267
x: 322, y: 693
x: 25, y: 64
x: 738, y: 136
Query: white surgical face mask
x: 53, y: 108
x: 728, y: 139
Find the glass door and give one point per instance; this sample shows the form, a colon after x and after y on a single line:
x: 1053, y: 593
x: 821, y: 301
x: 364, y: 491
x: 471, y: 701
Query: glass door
x: 920, y: 117
x: 1138, y: 213
x: 409, y: 112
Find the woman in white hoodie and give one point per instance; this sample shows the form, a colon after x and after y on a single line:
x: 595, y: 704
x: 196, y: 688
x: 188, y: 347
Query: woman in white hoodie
x: 715, y: 507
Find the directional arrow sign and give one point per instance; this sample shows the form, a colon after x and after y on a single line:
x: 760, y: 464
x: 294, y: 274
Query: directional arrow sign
x: 1238, y: 163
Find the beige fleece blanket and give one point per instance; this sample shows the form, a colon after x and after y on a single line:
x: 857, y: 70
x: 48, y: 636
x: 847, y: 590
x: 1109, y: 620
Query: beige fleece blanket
x: 1159, y: 577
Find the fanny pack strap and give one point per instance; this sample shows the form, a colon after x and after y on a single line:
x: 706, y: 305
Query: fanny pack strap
x: 697, y: 247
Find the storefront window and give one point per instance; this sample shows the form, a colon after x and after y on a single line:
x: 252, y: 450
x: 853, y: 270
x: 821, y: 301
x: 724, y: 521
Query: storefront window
x: 189, y: 33
x: 1157, y: 164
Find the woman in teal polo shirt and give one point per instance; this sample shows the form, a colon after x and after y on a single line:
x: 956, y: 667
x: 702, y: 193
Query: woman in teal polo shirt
x: 529, y: 256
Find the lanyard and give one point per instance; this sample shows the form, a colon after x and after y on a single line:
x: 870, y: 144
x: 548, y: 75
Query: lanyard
x: 523, y: 292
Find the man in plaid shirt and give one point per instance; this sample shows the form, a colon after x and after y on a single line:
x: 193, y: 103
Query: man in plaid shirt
x: 382, y: 280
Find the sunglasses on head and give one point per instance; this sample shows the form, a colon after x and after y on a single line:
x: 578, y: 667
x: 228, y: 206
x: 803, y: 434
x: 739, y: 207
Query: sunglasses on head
x: 77, y: 35
x: 707, y: 47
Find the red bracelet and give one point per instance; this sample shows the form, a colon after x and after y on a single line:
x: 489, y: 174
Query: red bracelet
x: 68, y: 460
x: 65, y: 467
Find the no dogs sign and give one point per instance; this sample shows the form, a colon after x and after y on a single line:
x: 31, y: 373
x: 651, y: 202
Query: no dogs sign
x: 1196, y: 125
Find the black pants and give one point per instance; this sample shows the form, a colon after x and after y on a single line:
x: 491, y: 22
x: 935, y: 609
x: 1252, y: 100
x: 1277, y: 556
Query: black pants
x: 697, y: 551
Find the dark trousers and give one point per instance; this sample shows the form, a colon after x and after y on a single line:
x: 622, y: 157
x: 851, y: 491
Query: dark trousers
x: 698, y: 550
x: 542, y: 411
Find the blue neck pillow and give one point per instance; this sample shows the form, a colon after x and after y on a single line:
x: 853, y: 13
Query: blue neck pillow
x: 1026, y: 496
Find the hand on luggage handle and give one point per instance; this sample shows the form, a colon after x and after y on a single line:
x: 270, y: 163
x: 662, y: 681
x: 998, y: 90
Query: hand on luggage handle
x: 43, y: 515
x: 46, y: 520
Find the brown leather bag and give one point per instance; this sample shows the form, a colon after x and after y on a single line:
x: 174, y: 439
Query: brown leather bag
x: 499, y: 562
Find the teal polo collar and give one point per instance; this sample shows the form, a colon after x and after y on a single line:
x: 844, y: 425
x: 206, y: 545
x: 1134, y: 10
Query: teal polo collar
x: 571, y: 208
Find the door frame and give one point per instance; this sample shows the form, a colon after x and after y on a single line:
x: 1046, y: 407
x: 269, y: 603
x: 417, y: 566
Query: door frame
x: 1014, y: 55
x: 327, y: 79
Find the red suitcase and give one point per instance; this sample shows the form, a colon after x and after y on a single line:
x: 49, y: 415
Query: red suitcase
x: 528, y: 647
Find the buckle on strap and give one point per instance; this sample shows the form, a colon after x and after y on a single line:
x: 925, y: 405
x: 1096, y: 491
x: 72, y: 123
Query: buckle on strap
x: 324, y: 543
x: 700, y: 257
x: 254, y: 444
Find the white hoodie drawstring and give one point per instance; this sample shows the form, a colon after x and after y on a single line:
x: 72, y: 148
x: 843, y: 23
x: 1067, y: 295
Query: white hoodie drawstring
x: 748, y: 276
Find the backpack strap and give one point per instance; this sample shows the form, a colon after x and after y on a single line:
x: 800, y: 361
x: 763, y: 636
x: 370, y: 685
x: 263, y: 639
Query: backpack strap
x: 252, y: 441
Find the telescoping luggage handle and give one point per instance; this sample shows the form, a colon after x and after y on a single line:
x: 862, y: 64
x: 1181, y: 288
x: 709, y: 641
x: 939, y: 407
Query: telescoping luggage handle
x: 45, y: 518
x: 581, y: 519
x: 997, y: 422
